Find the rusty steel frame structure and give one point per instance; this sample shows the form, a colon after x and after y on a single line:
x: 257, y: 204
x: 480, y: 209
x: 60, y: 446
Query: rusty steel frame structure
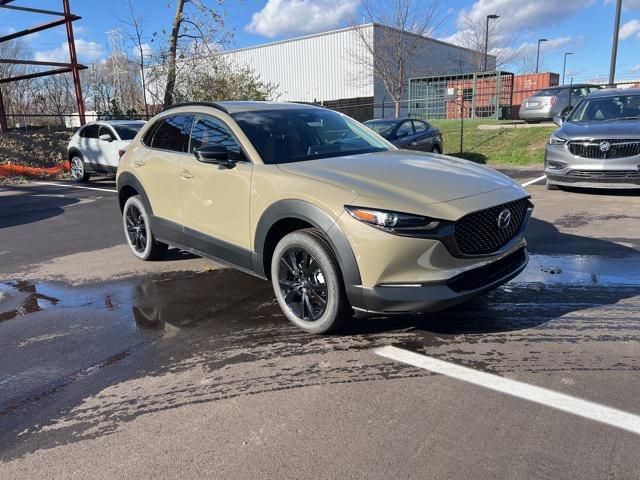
x: 73, y: 66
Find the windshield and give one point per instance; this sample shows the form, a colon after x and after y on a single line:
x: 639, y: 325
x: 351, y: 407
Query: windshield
x: 620, y: 107
x: 381, y: 128
x: 127, y: 131
x: 551, y: 92
x: 299, y: 134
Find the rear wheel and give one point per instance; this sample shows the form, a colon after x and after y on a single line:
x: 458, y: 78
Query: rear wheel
x: 436, y: 149
x: 137, y: 231
x: 78, y: 170
x: 307, y: 282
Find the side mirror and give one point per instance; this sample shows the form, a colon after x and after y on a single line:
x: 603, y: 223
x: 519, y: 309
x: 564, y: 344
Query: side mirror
x: 216, y: 154
x: 558, y: 120
x: 105, y: 137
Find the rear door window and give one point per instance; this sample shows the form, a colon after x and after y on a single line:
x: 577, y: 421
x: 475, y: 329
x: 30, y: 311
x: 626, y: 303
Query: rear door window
x: 173, y: 133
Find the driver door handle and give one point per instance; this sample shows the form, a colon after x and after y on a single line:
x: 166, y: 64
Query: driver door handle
x: 186, y: 174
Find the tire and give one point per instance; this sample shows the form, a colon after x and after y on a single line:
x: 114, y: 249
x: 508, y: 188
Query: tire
x: 551, y: 186
x: 78, y: 169
x: 137, y: 231
x: 436, y: 149
x: 530, y: 121
x: 307, y: 282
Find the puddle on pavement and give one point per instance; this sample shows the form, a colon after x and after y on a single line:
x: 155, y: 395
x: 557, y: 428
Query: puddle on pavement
x: 582, y: 270
x: 181, y: 300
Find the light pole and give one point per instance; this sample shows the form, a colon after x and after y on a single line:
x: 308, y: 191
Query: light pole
x: 614, y: 46
x: 540, y: 40
x: 564, y: 66
x: 486, y: 39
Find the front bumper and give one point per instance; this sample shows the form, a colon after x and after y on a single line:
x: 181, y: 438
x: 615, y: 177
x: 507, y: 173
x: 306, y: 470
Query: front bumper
x: 565, y: 169
x: 438, y: 295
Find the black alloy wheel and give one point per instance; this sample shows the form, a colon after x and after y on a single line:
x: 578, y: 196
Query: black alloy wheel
x: 302, y: 284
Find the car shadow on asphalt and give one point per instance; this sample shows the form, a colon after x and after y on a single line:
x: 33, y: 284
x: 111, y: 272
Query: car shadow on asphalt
x: 35, y: 205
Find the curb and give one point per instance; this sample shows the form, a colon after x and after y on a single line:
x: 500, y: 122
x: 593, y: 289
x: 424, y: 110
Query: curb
x: 9, y: 169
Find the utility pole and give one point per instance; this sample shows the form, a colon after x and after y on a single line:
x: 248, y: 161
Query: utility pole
x: 486, y: 39
x: 614, y: 46
x: 564, y: 66
x: 540, y: 40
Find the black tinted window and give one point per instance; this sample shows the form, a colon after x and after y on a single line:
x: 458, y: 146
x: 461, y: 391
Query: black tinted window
x: 211, y: 131
x: 420, y: 127
x: 90, y: 131
x: 173, y: 133
x: 128, y: 131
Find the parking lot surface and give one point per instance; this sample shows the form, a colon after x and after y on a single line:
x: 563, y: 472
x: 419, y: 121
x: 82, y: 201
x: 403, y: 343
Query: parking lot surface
x: 116, y: 368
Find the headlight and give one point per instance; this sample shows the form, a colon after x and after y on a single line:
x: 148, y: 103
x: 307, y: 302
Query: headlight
x: 555, y: 140
x: 394, y: 221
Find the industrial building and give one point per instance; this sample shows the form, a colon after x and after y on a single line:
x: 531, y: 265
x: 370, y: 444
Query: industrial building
x: 335, y: 68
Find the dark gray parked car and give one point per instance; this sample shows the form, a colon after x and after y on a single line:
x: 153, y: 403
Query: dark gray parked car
x: 598, y: 144
x: 550, y: 102
x: 408, y: 133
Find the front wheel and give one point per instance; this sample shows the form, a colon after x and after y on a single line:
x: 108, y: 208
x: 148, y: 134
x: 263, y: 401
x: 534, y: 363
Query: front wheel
x: 137, y: 231
x: 307, y: 282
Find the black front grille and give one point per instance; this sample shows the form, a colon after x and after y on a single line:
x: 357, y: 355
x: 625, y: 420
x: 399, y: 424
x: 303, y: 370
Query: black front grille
x: 478, y: 233
x: 489, y: 274
x: 604, y: 174
x: 619, y: 148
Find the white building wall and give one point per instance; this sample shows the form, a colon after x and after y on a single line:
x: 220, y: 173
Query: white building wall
x: 317, y: 67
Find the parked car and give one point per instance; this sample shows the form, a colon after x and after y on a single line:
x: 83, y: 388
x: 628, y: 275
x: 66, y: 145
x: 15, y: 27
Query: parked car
x: 334, y: 215
x: 408, y: 133
x: 598, y: 144
x: 550, y: 102
x: 97, y: 146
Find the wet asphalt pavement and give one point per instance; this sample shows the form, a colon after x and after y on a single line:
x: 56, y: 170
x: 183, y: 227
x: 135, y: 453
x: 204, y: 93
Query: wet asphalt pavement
x: 113, y: 368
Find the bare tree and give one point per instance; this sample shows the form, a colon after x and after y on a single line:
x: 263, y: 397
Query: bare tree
x: 390, y: 49
x: 473, y: 35
x: 196, y: 30
x: 135, y: 35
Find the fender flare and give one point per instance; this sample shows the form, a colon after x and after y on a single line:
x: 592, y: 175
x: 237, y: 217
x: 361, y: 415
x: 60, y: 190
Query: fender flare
x: 128, y: 179
x: 322, y: 221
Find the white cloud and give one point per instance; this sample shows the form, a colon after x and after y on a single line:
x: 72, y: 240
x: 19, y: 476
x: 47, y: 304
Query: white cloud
x: 519, y: 16
x: 286, y: 17
x: 635, y: 68
x: 146, y: 50
x: 630, y: 29
x: 87, y: 51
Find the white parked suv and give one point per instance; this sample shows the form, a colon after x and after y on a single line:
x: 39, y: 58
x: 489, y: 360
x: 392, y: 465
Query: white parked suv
x: 97, y: 147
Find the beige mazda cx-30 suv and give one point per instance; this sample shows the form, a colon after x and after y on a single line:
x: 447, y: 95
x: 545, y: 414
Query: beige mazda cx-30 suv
x: 335, y: 216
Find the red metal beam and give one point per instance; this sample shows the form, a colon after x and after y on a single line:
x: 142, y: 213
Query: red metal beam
x: 32, y: 10
x: 35, y: 62
x: 29, y: 31
x: 75, y: 70
x: 37, y: 74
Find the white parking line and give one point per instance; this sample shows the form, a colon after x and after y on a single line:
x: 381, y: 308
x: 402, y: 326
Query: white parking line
x: 560, y: 401
x: 535, y: 180
x: 78, y: 186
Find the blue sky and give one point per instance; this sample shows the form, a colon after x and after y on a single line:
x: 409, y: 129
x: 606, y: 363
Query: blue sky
x: 583, y: 27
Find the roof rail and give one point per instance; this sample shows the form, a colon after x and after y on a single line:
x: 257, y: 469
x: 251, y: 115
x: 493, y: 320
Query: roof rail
x: 313, y: 104
x: 196, y: 104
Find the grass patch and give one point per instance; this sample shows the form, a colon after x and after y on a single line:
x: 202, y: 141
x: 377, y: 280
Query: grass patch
x: 503, y: 146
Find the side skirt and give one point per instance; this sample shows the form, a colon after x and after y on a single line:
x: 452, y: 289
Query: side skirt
x: 204, y: 246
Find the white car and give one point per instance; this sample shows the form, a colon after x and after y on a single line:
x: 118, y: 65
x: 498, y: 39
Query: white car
x: 97, y: 147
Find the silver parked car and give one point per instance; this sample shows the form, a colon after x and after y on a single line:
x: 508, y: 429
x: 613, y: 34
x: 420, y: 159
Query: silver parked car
x: 550, y: 102
x: 598, y: 144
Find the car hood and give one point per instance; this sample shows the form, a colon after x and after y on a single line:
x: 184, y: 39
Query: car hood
x: 402, y: 176
x: 600, y: 129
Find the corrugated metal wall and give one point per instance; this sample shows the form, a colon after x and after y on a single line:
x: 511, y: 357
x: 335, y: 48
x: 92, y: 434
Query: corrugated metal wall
x: 318, y: 67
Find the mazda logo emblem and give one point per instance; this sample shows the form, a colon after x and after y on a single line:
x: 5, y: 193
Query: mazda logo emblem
x: 504, y: 219
x: 605, y: 146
